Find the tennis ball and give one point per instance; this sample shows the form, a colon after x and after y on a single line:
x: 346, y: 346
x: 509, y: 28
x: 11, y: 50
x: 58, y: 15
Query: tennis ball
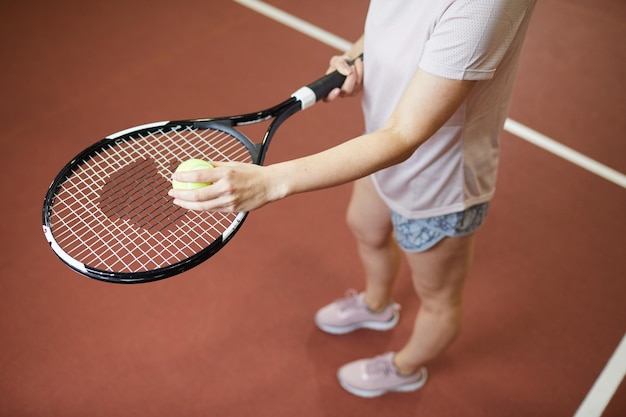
x: 191, y: 165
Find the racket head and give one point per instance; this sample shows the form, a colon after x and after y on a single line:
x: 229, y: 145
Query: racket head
x: 107, y: 214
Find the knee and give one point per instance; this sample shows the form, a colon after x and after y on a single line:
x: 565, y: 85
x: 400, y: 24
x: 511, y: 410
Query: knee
x: 438, y: 297
x: 368, y: 232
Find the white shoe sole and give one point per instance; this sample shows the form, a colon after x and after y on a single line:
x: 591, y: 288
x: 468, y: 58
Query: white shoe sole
x: 377, y: 393
x: 373, y: 325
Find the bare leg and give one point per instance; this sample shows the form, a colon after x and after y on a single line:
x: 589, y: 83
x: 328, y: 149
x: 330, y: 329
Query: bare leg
x: 369, y: 220
x: 438, y: 277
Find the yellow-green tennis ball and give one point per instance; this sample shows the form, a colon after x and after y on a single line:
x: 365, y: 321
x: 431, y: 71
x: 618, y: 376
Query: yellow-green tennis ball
x: 191, y: 165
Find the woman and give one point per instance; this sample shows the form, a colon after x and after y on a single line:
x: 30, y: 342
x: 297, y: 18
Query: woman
x: 437, y: 81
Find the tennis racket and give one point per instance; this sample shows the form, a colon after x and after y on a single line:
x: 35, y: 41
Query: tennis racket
x: 107, y: 214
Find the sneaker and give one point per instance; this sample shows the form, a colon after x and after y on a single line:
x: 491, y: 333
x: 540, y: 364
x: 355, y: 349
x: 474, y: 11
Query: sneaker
x: 373, y: 377
x: 351, y: 313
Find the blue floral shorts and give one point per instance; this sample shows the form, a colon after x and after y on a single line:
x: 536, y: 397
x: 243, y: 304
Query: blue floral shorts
x: 419, y: 235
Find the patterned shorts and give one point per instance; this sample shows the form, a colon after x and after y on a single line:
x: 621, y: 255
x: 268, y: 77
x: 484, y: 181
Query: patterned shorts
x: 419, y: 235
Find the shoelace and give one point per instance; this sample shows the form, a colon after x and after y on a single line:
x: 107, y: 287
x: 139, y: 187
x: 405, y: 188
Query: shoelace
x: 380, y: 366
x: 350, y: 301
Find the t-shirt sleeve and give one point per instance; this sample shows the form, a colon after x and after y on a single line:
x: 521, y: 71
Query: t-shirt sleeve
x: 471, y: 38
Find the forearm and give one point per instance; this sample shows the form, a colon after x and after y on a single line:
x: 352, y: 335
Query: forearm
x: 341, y: 164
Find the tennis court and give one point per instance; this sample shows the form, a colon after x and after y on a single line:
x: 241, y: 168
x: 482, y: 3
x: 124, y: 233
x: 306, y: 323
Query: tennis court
x: 545, y: 304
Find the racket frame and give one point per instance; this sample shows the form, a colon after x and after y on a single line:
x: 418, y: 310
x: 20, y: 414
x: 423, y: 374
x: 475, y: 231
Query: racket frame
x: 301, y: 99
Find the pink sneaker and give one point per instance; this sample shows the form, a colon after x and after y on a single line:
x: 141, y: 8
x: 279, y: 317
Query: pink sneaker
x: 351, y: 313
x: 373, y: 377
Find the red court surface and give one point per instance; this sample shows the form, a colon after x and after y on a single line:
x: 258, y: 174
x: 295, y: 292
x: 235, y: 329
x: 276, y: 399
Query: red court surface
x: 545, y: 302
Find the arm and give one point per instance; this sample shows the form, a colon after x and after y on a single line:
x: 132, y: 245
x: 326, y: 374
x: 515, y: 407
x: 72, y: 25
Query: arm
x: 426, y: 105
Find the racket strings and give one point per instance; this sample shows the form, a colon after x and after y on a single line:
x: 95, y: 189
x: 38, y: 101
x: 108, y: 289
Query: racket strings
x: 134, y: 194
x: 113, y: 212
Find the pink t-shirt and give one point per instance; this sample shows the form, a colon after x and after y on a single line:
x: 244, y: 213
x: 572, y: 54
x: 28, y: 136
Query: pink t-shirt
x: 463, y: 39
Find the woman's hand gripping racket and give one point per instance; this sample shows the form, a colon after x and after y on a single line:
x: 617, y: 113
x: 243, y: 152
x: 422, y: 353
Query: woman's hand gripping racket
x: 108, y: 216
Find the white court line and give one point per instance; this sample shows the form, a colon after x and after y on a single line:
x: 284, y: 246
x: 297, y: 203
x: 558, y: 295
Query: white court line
x: 605, y: 386
x: 297, y: 24
x: 510, y: 125
x: 564, y: 152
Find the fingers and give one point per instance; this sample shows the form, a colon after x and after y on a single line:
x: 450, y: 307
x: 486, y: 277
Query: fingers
x: 333, y: 95
x: 204, y: 198
x: 340, y: 63
x: 234, y: 187
x: 354, y: 77
x: 200, y: 200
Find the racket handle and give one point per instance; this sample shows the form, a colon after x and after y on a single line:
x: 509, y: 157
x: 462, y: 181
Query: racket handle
x: 326, y: 84
x: 322, y: 87
x: 329, y: 82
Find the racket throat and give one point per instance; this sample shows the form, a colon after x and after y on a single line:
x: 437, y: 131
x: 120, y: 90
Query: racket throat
x: 269, y: 134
